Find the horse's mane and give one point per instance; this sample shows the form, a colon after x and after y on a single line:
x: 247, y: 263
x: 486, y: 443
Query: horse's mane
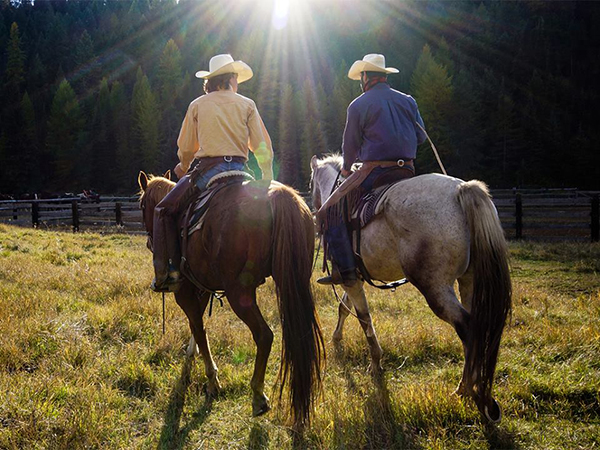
x: 158, y: 187
x: 331, y: 159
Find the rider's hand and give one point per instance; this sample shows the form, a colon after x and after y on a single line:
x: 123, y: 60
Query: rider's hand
x: 179, y: 171
x: 346, y: 173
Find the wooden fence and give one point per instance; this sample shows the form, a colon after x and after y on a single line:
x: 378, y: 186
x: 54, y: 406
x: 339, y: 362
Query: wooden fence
x: 542, y: 214
x: 121, y: 212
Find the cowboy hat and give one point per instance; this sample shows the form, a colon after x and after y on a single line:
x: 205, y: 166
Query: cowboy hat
x: 221, y: 64
x: 370, y: 63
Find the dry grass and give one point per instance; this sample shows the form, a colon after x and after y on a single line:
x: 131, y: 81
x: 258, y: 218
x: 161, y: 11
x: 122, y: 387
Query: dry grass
x: 83, y: 363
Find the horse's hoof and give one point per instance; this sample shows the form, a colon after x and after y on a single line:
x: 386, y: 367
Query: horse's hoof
x: 261, y: 409
x: 493, y: 414
x: 211, y: 391
x: 338, y: 345
x: 260, y: 406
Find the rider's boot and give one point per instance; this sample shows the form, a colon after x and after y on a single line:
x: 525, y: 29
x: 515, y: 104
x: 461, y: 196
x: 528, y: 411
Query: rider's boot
x: 167, y: 254
x: 342, y: 257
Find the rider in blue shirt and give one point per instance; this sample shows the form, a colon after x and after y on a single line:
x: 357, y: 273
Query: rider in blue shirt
x: 383, y: 129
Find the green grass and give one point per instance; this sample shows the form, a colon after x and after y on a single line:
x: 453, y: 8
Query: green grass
x: 84, y: 364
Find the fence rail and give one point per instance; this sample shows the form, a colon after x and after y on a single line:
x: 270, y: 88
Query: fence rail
x: 540, y: 214
x: 122, y: 212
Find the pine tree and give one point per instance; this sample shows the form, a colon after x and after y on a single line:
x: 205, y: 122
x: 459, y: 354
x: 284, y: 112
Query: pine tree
x: 64, y: 139
x: 15, y: 65
x: 312, y: 141
x: 102, y: 149
x: 30, y: 164
x: 287, y: 145
x: 126, y: 160
x: 170, y: 79
x: 170, y: 74
x: 145, y: 122
x: 431, y: 86
x: 11, y: 117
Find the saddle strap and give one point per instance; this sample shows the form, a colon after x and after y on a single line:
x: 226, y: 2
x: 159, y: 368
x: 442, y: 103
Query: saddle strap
x: 355, y: 227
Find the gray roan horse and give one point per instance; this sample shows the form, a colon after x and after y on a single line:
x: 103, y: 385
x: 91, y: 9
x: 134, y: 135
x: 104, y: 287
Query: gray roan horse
x: 433, y: 230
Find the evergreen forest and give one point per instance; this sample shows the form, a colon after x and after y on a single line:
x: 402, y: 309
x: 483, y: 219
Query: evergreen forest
x: 92, y: 91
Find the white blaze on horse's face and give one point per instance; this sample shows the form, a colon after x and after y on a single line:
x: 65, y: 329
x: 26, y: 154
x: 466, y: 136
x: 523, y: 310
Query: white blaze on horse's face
x: 316, y: 192
x: 322, y: 180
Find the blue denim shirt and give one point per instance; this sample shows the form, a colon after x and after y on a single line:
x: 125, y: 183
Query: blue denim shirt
x: 381, y: 126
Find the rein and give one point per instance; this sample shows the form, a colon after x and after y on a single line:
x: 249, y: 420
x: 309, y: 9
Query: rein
x: 336, y: 184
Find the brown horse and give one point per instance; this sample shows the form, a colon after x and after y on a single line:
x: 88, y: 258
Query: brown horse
x: 253, y: 231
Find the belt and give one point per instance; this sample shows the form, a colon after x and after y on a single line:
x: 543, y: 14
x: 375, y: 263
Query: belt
x: 218, y: 159
x: 399, y: 163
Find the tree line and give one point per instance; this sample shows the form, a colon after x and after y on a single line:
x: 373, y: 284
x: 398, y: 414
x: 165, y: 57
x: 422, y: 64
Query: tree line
x: 94, y: 91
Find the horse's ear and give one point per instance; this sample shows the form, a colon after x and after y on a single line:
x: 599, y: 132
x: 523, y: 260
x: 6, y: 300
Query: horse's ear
x: 167, y: 174
x: 143, y: 180
x: 314, y: 162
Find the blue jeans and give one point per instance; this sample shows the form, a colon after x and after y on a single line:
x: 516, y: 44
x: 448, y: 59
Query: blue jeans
x: 225, y: 166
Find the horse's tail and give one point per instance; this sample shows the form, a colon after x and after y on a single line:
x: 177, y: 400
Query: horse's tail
x: 491, y: 302
x: 302, y: 349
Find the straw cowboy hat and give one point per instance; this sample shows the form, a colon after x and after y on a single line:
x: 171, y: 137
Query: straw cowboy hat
x: 221, y: 64
x: 370, y: 63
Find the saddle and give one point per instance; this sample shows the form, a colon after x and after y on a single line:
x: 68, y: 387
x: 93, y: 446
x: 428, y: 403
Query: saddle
x: 193, y: 218
x: 367, y: 207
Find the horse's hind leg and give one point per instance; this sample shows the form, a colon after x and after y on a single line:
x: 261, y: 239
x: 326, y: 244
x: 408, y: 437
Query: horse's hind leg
x: 194, y: 306
x: 465, y: 287
x: 357, y: 297
x: 443, y: 302
x: 243, y: 303
x: 343, y: 312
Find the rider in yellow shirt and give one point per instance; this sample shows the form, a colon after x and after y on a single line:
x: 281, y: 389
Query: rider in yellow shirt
x: 218, y: 130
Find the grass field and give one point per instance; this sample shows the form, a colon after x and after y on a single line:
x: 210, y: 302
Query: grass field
x: 84, y: 364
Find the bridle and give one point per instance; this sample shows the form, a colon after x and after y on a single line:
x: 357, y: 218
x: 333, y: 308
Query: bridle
x: 150, y: 242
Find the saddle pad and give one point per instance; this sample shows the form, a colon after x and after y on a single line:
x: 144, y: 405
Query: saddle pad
x: 368, y: 205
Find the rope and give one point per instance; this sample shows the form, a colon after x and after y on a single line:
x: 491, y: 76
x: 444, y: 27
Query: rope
x: 435, y: 152
x: 163, y: 305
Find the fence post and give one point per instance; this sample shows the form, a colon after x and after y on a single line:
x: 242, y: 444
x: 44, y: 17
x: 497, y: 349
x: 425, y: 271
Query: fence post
x: 75, y: 215
x: 595, y: 218
x: 519, y: 217
x: 35, y: 214
x: 118, y: 214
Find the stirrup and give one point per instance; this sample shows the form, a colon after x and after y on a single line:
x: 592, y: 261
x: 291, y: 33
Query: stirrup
x: 170, y: 284
x: 349, y: 279
x: 328, y: 280
x: 166, y: 286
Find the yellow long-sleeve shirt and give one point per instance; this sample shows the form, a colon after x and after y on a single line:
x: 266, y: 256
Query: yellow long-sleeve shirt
x: 224, y: 123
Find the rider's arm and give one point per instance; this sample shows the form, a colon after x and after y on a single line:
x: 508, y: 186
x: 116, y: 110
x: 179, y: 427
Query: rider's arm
x: 259, y: 142
x: 188, y: 139
x: 352, y: 137
x: 421, y: 136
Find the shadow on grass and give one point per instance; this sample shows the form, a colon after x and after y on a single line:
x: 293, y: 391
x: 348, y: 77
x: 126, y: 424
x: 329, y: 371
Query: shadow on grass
x: 259, y: 438
x: 380, y: 428
x: 172, y: 437
x: 500, y: 438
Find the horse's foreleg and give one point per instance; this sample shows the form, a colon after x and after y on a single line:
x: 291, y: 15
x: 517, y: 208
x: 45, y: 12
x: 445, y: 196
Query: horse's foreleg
x: 343, y: 312
x: 356, y: 295
x: 244, y: 305
x: 194, y: 308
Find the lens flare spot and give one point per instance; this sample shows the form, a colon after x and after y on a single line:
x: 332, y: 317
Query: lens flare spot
x: 281, y: 12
